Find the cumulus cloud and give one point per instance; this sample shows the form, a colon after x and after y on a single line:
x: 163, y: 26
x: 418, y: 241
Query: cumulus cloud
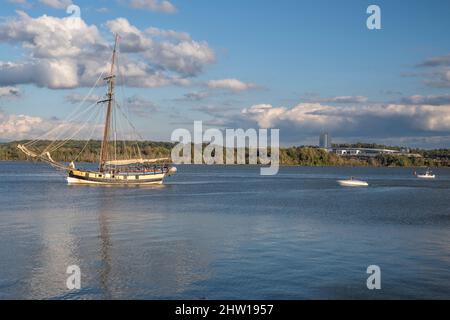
x: 52, y: 74
x: 67, y: 53
x: 131, y: 38
x: 20, y: 126
x: 187, y: 58
x: 374, y: 120
x: 176, y: 53
x: 231, y: 84
x: 58, y: 51
x: 50, y: 37
x: 404, y: 123
x: 153, y: 5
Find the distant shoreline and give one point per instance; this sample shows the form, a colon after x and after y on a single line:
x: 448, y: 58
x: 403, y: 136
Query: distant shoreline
x: 257, y: 165
x: 305, y: 156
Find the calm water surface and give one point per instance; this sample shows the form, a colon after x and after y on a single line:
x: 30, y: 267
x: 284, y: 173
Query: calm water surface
x: 225, y: 233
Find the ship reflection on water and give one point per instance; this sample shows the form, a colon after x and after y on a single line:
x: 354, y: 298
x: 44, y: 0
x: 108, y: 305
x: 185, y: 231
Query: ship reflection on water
x: 136, y: 263
x: 105, y: 248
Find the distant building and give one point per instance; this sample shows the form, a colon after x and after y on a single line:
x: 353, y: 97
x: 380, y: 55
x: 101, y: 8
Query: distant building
x: 372, y: 152
x: 325, y: 141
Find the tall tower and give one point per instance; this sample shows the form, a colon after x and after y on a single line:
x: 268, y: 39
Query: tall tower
x: 325, y: 141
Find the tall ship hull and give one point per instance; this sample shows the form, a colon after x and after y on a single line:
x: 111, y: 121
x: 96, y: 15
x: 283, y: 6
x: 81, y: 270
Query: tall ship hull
x: 96, y: 178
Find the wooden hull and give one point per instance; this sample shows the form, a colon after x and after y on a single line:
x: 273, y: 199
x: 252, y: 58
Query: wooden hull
x: 75, y: 181
x: 77, y: 177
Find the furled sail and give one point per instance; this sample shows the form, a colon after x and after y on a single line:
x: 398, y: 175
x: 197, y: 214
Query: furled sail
x: 133, y: 161
x: 46, y: 157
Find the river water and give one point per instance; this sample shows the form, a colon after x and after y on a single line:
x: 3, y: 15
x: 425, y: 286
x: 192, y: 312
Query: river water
x: 216, y: 232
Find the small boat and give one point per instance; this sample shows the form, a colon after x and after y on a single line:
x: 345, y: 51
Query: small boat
x: 353, y: 183
x: 427, y: 175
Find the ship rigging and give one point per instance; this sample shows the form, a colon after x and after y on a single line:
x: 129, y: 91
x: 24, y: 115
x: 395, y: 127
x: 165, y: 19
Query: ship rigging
x: 130, y: 168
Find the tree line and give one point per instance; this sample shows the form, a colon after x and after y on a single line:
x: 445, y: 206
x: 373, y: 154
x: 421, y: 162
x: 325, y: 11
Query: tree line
x: 83, y: 151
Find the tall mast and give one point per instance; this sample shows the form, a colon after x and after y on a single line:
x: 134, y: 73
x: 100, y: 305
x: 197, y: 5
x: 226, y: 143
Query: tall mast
x: 110, y: 97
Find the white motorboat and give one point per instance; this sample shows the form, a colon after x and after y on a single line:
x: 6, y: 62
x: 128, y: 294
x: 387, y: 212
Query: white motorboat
x: 427, y: 175
x: 353, y: 183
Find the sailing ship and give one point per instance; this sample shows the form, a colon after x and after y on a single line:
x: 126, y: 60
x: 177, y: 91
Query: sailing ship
x: 111, y: 169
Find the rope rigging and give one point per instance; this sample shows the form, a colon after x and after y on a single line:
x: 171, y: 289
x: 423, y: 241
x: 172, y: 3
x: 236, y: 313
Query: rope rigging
x: 72, y: 125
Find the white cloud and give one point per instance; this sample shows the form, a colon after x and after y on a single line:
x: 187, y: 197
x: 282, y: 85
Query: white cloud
x: 19, y: 126
x: 153, y: 5
x: 56, y: 74
x: 58, y: 51
x: 66, y: 53
x: 373, y: 120
x: 231, y: 84
x: 186, y: 57
x: 131, y: 38
x: 50, y: 37
x: 178, y: 54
